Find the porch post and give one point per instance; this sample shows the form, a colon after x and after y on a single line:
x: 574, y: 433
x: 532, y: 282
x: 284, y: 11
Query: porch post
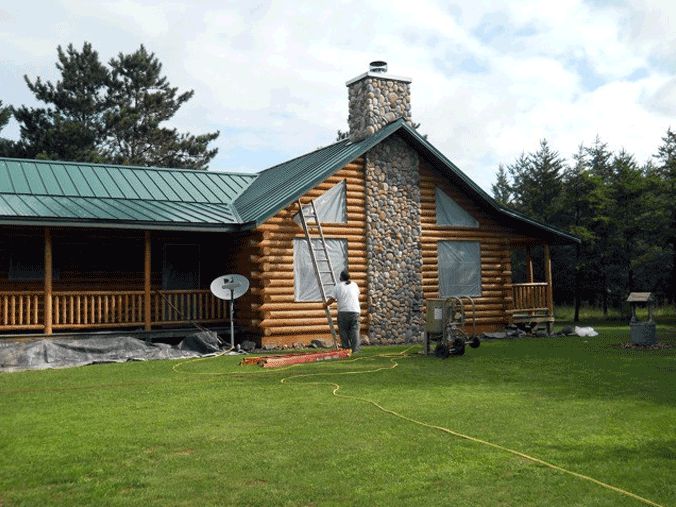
x: 529, y: 265
x: 548, y: 279
x: 48, y: 281
x: 146, y: 275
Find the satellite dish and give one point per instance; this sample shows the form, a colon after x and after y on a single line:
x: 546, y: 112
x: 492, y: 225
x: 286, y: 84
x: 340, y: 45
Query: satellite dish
x: 229, y: 287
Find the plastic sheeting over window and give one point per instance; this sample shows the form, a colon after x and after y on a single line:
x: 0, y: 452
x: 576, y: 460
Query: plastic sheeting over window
x: 459, y: 268
x: 331, y: 206
x: 305, y: 280
x: 449, y: 212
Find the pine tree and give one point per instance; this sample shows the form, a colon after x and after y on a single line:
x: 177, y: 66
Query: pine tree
x: 537, y: 183
x: 5, y: 115
x: 519, y: 172
x: 6, y: 146
x: 600, y: 168
x: 502, y: 190
x: 71, y: 124
x: 627, y: 219
x: 666, y: 178
x: 578, y: 185
x: 140, y: 101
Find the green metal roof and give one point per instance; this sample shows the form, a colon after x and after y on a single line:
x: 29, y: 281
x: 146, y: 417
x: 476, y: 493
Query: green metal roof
x: 45, y: 192
x: 48, y: 192
x: 279, y: 186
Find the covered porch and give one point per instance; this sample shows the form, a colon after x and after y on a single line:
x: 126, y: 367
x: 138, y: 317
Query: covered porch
x: 56, y: 280
x: 530, y: 301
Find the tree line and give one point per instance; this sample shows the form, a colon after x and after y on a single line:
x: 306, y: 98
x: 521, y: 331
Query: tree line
x: 624, y: 213
x: 115, y: 113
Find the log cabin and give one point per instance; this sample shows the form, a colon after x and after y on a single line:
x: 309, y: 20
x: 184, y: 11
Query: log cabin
x: 87, y: 247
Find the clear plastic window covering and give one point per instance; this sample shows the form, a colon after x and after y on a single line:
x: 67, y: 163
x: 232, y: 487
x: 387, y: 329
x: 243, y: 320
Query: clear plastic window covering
x: 459, y: 268
x: 305, y: 280
x: 331, y: 206
x: 449, y: 212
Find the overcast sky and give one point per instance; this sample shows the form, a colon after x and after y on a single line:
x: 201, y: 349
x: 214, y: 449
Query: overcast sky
x: 490, y: 79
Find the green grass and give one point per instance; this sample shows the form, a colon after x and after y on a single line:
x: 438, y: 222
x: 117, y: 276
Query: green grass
x: 143, y: 434
x: 664, y: 314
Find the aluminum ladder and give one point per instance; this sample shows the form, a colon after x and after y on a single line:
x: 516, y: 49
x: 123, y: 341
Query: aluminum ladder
x: 321, y: 264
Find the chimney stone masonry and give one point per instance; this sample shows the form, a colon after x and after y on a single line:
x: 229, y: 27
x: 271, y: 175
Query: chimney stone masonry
x: 376, y: 99
x: 394, y: 255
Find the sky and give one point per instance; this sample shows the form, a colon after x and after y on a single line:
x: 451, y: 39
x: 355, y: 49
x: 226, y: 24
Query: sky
x: 490, y: 78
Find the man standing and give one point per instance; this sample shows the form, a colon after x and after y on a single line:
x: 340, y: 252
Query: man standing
x: 347, y: 297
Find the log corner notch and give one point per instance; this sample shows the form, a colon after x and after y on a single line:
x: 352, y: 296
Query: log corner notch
x: 48, y: 281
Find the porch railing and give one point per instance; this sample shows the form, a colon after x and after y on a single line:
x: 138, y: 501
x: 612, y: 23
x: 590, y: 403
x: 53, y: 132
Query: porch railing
x: 171, y: 306
x: 24, y: 310
x: 83, y: 309
x: 21, y: 310
x: 530, y: 297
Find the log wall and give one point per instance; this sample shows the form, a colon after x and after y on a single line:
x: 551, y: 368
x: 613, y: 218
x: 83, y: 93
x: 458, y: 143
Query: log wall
x: 281, y: 320
x: 495, y: 239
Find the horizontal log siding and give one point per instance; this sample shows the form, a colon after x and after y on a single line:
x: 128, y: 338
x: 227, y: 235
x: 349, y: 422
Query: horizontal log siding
x: 244, y: 261
x: 281, y: 319
x: 496, y: 289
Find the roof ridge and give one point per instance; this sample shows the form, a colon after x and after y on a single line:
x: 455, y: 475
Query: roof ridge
x: 123, y: 166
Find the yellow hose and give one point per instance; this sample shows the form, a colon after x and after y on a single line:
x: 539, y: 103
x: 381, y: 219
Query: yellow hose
x: 394, y: 364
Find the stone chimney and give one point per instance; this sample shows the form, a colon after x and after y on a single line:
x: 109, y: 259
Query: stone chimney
x: 376, y: 99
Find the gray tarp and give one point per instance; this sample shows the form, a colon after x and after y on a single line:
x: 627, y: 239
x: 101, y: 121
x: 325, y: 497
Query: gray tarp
x: 459, y: 268
x: 331, y: 206
x: 66, y: 352
x: 449, y: 212
x: 304, y: 278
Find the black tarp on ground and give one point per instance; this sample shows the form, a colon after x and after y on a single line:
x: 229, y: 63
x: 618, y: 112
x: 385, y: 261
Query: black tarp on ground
x: 68, y: 352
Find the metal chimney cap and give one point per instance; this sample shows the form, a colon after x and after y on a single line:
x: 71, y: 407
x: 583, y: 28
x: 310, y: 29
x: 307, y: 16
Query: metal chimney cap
x: 378, y: 66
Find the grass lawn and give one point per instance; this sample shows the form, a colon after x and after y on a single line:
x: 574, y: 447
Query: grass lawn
x: 144, y: 434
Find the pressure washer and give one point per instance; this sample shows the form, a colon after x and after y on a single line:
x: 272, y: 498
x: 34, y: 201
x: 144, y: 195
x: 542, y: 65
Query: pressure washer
x: 446, y: 326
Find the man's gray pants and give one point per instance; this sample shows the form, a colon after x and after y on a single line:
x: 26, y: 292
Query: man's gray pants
x: 348, y: 326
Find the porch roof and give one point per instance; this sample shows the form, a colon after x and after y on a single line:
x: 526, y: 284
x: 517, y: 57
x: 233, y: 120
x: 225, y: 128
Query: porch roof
x: 43, y: 192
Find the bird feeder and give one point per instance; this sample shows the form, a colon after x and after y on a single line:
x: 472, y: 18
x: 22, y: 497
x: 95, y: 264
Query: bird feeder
x: 642, y: 332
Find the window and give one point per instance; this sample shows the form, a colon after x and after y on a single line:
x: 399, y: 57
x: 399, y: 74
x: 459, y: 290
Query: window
x: 449, y: 212
x: 26, y: 260
x: 305, y: 280
x: 181, y: 267
x: 331, y: 206
x: 459, y: 268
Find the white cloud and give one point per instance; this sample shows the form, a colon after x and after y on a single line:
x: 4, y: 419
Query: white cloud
x: 489, y: 79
